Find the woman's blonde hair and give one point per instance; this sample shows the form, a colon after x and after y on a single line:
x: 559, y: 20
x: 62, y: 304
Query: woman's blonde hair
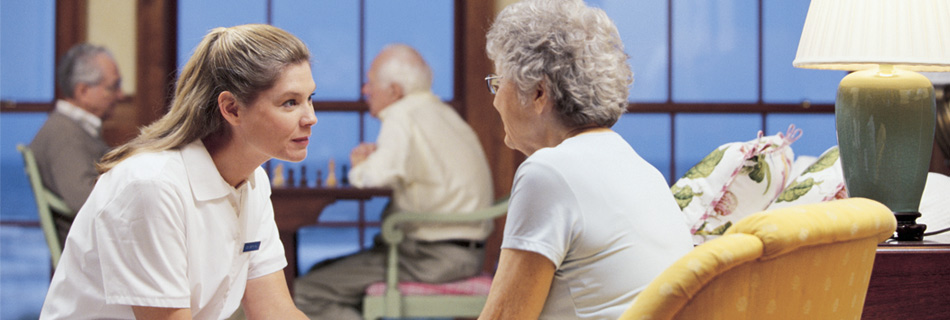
x: 244, y: 60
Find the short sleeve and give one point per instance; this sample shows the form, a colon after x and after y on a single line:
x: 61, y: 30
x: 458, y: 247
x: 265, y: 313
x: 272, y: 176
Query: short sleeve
x: 140, y: 237
x: 542, y: 214
x: 270, y: 258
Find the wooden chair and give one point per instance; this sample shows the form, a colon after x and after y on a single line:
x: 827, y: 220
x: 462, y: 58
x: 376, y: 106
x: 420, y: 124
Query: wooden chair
x: 394, y: 299
x: 804, y: 262
x: 46, y: 203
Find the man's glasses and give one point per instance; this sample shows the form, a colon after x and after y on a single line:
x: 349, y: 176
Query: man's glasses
x: 493, y: 82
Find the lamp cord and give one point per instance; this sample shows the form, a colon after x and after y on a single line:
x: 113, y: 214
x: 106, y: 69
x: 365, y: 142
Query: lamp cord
x: 936, y: 232
x: 927, y: 234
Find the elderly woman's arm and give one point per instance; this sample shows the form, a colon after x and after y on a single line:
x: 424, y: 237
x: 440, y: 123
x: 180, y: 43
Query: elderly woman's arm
x: 520, y: 286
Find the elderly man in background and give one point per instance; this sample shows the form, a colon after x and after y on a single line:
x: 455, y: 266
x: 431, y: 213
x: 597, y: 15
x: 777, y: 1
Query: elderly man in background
x: 434, y: 162
x: 70, y: 143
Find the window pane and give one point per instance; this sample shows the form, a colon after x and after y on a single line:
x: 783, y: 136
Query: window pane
x: 17, y: 196
x: 782, y: 28
x: 27, y: 45
x: 196, y: 18
x: 331, y: 31
x: 715, y: 51
x: 818, y: 131
x: 374, y: 208
x: 26, y: 271
x: 427, y: 25
x: 643, y: 30
x: 315, y: 244
x: 649, y: 135
x: 699, y: 134
x: 341, y: 211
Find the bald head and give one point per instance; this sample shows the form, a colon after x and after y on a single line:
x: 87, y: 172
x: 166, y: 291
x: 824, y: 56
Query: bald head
x: 398, y: 70
x: 404, y: 66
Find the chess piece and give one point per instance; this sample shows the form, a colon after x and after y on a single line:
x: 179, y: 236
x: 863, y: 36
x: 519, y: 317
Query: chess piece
x: 319, y: 178
x: 290, y: 178
x: 331, y: 174
x: 344, y: 178
x: 278, y: 180
x: 303, y: 176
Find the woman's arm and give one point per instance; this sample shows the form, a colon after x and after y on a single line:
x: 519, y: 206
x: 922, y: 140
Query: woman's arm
x: 149, y: 313
x: 267, y: 297
x: 520, y: 286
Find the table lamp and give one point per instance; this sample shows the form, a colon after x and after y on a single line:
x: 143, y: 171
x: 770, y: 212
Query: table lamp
x: 884, y: 110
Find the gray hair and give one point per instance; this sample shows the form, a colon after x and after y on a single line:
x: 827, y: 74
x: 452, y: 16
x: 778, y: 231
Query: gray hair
x: 79, y: 66
x: 573, y: 50
x: 406, y: 68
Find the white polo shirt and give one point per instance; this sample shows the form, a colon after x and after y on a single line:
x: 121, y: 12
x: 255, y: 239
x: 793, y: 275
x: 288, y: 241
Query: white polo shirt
x: 165, y: 230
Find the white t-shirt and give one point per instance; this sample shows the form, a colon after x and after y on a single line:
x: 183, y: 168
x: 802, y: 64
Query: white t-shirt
x: 434, y: 162
x: 604, y: 216
x: 165, y: 230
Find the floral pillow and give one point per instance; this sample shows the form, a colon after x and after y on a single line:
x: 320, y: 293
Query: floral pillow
x: 821, y: 181
x: 733, y: 181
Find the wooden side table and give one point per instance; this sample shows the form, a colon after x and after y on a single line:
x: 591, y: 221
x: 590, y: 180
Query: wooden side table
x: 910, y: 280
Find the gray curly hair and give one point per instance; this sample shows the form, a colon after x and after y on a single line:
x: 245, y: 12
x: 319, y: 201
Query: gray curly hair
x: 573, y: 49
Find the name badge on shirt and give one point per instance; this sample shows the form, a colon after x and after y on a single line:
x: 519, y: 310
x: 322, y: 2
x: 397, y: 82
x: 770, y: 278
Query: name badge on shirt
x: 252, y: 246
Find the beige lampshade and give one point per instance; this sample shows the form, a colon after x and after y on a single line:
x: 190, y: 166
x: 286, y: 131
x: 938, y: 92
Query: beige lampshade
x: 861, y: 34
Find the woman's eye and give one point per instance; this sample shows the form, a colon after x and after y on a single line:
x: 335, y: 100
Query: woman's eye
x: 289, y: 103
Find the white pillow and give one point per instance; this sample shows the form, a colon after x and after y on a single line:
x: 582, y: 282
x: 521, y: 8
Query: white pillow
x: 735, y: 180
x: 821, y: 181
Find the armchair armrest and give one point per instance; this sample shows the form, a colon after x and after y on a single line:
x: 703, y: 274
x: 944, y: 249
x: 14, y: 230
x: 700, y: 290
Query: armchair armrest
x: 393, y: 235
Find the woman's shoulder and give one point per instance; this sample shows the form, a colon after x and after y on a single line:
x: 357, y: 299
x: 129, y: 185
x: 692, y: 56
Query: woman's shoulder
x: 149, y: 166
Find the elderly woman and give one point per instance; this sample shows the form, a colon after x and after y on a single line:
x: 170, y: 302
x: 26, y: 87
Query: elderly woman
x: 590, y: 223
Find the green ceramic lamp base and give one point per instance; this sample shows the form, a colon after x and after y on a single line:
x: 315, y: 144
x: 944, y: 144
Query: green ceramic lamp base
x: 885, y: 123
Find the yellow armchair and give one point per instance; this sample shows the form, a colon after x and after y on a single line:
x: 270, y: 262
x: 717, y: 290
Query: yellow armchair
x: 804, y: 262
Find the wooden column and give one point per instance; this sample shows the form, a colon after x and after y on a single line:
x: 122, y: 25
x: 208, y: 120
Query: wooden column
x: 474, y: 18
x: 156, y: 48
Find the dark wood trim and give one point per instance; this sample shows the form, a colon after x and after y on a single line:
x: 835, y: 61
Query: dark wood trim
x: 156, y: 55
x: 476, y: 104
x: 760, y: 75
x: 458, y: 84
x: 351, y: 106
x: 71, y: 26
x: 20, y: 223
x: 669, y: 90
x: 13, y: 106
x: 730, y: 108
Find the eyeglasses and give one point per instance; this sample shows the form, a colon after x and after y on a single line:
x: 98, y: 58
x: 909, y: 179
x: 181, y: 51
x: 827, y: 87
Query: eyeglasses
x: 493, y: 81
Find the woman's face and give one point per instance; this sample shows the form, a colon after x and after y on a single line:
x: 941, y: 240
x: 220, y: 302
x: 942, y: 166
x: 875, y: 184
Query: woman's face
x: 279, y: 120
x: 518, y: 118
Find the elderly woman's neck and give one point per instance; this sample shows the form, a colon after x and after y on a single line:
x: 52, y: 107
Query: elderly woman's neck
x: 590, y: 128
x: 556, y: 135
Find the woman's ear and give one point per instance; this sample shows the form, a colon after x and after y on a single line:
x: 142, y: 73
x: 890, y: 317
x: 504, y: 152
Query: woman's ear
x: 228, y: 106
x: 542, y: 97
